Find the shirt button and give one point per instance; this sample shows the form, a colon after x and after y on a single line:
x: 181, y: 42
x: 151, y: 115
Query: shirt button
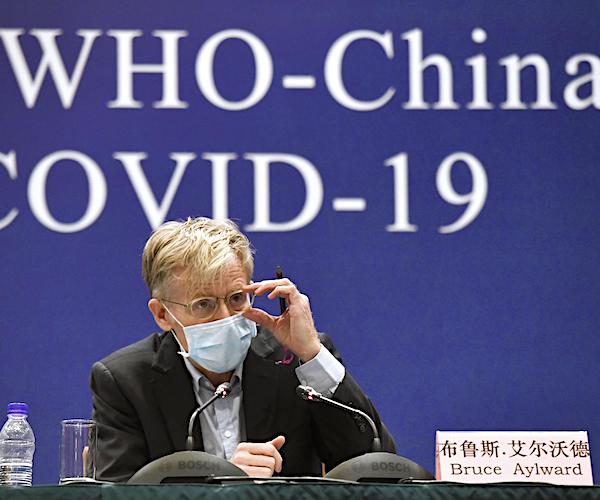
x: 227, y: 434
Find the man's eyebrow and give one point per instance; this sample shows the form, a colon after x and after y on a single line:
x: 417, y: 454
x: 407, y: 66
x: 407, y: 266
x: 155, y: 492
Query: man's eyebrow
x: 206, y: 294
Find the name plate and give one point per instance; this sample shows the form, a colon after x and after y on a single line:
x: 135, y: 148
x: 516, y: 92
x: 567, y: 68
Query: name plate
x: 507, y: 456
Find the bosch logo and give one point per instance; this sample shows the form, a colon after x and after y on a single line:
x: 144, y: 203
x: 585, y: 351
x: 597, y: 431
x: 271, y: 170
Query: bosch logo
x: 193, y: 465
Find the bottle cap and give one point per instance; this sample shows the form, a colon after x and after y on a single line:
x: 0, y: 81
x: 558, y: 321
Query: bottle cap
x: 17, y: 409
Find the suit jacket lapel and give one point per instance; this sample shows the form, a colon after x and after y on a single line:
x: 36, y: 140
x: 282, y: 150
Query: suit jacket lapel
x: 174, y: 392
x: 260, y: 386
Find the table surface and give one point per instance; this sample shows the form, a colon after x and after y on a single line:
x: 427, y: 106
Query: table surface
x: 434, y: 491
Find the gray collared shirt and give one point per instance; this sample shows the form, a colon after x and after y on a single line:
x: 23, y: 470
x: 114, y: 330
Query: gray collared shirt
x: 223, y: 423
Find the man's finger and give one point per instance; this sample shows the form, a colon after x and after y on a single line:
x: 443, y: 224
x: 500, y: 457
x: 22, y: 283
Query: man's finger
x: 258, y: 448
x: 256, y: 460
x: 278, y: 443
x: 286, y: 291
x: 261, y: 317
x: 261, y: 287
x: 253, y: 471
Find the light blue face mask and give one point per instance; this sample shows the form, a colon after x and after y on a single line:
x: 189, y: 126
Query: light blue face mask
x: 219, y: 346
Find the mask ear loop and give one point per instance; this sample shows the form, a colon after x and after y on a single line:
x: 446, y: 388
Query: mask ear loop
x: 182, y: 351
x: 172, y: 315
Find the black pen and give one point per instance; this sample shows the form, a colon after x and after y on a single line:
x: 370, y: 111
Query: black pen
x: 279, y: 275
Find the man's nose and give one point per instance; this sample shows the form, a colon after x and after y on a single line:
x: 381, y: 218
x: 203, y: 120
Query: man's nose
x: 222, y: 311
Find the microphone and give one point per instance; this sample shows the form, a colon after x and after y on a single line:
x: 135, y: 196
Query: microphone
x: 189, y: 466
x: 309, y: 394
x: 222, y: 391
x: 375, y: 467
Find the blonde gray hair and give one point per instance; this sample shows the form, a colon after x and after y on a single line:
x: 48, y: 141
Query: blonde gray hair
x: 203, y: 248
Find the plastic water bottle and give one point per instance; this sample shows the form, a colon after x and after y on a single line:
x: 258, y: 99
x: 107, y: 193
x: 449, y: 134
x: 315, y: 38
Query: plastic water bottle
x: 17, y: 444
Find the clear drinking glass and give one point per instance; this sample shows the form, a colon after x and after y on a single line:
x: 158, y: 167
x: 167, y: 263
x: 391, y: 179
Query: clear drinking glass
x: 77, y: 451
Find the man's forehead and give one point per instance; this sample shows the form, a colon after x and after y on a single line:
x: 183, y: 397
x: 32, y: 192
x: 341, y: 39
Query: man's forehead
x: 227, y: 280
x: 219, y: 286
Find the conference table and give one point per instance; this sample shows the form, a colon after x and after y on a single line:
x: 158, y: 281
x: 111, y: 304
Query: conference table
x: 306, y: 490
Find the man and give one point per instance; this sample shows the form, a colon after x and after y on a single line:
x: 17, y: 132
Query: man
x: 199, y: 275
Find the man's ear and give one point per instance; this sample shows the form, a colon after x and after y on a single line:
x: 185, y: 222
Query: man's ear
x: 160, y: 314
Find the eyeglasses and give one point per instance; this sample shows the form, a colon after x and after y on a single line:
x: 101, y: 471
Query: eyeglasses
x: 204, y: 308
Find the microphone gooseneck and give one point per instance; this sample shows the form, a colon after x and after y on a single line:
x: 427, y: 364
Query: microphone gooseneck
x: 309, y: 394
x: 222, y: 391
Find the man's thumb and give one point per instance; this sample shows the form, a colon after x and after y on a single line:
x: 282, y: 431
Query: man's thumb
x: 261, y: 317
x: 278, y: 442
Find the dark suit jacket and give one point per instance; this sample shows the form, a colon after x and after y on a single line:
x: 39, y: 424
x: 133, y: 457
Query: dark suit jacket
x: 143, y: 398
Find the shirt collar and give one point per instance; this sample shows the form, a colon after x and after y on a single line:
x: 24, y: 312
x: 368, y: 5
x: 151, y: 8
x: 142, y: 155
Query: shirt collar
x: 198, y: 376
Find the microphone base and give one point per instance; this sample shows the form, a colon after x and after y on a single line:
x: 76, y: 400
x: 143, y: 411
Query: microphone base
x: 185, y: 467
x: 380, y: 467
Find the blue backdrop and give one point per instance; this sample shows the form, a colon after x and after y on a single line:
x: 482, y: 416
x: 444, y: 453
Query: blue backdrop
x: 476, y: 117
